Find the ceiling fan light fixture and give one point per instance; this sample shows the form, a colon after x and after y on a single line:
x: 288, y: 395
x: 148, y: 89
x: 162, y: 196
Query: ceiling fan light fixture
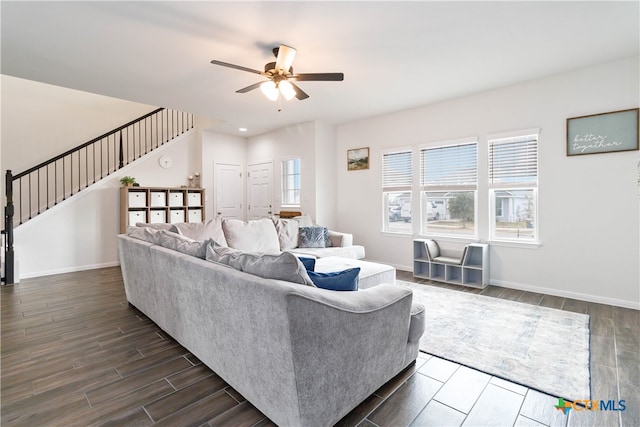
x: 287, y: 90
x: 270, y: 90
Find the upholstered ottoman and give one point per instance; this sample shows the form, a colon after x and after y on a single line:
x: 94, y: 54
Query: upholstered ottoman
x: 371, y: 273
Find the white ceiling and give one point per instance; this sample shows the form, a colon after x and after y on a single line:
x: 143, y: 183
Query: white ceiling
x: 395, y: 55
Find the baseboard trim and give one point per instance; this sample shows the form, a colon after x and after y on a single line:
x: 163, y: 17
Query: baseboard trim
x: 635, y: 305
x: 69, y: 270
x: 567, y: 294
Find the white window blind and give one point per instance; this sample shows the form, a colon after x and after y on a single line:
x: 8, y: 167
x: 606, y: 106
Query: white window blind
x: 291, y: 182
x: 449, y: 166
x: 513, y: 161
x: 397, y: 171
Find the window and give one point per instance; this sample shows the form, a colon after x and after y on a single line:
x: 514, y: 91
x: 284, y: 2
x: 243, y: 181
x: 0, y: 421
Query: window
x: 397, y: 178
x: 513, y: 187
x: 291, y: 182
x: 448, y: 187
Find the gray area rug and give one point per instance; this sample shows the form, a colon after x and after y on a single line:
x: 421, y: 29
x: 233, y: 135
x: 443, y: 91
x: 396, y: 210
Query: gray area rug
x: 538, y: 347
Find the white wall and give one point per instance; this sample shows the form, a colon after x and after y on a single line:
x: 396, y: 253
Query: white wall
x: 326, y: 166
x: 80, y: 233
x: 40, y: 121
x: 588, y: 218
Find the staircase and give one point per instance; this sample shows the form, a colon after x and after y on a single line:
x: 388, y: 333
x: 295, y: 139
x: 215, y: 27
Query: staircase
x: 43, y: 186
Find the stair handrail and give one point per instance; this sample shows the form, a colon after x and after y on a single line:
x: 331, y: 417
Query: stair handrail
x: 86, y: 144
x: 174, y: 123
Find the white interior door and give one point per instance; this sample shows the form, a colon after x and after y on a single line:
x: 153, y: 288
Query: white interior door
x: 260, y: 185
x: 229, y: 190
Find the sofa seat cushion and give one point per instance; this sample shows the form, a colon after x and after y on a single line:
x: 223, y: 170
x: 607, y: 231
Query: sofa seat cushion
x: 284, y: 266
x: 258, y: 235
x: 354, y: 251
x: 371, y: 273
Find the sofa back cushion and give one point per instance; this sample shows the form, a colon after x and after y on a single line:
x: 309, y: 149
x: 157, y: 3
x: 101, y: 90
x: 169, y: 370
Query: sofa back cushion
x: 303, y: 220
x: 285, y: 266
x: 433, y: 249
x: 258, y: 235
x: 287, y: 230
x: 202, y: 231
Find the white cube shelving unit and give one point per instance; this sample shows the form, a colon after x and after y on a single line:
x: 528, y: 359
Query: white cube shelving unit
x: 473, y: 271
x: 160, y: 205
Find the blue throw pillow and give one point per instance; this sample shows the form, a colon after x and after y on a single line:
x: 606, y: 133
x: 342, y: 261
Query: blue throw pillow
x: 309, y: 263
x: 346, y: 280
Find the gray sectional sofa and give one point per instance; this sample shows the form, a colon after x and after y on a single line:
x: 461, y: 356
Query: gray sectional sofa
x: 268, y: 235
x: 302, y: 355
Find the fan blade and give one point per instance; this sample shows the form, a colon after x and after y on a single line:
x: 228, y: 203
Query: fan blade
x: 300, y: 94
x: 319, y: 77
x: 285, y: 57
x: 249, y: 88
x: 237, y: 67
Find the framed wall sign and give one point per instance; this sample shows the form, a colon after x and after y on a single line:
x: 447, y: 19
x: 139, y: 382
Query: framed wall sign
x: 603, y: 133
x: 358, y: 159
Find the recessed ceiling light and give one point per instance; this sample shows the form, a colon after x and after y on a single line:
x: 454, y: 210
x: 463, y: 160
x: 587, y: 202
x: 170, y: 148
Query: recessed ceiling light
x: 242, y: 129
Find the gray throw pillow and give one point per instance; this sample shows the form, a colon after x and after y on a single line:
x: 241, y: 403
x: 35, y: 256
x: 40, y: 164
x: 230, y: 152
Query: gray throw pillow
x: 157, y: 226
x: 285, y: 266
x: 313, y: 237
x: 184, y: 244
x: 221, y: 254
x: 147, y: 234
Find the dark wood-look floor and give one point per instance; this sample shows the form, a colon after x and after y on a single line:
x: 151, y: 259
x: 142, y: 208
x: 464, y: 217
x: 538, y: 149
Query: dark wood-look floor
x: 75, y: 354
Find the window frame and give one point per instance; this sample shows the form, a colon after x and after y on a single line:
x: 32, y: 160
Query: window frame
x: 450, y: 187
x: 405, y: 187
x: 285, y: 188
x: 525, y: 184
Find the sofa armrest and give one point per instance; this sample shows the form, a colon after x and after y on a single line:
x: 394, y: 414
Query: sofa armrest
x: 340, y: 239
x: 345, y: 345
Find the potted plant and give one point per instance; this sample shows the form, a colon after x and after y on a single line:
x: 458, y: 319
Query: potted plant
x: 127, y: 181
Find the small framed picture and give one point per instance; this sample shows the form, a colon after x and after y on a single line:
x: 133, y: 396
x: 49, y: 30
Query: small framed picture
x: 358, y: 159
x: 603, y: 133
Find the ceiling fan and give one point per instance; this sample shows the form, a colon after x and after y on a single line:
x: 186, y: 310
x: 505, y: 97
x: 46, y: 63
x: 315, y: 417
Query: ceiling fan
x: 279, y: 75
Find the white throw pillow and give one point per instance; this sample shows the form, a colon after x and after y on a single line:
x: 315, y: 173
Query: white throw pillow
x: 257, y: 235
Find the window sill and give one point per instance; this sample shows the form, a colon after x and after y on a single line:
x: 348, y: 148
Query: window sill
x: 450, y: 238
x: 515, y: 244
x: 397, y: 234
